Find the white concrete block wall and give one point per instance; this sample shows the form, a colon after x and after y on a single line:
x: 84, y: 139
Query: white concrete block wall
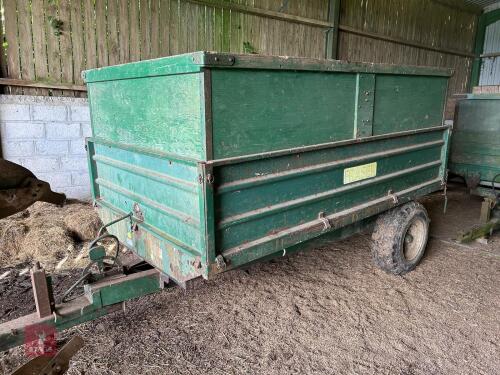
x: 47, y: 136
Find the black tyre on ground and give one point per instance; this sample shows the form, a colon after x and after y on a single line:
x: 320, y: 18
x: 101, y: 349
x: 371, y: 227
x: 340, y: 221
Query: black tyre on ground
x: 400, y: 238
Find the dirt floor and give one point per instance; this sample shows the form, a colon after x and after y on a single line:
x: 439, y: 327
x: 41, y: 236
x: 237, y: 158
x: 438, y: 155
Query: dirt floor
x: 327, y: 310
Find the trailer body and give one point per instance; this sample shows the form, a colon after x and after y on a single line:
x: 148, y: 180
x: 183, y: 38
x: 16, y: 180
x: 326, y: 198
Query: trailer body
x: 228, y: 159
x: 475, y: 146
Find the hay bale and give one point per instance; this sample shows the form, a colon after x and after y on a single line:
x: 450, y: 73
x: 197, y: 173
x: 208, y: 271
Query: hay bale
x: 47, y: 244
x: 84, y: 223
x: 11, y: 237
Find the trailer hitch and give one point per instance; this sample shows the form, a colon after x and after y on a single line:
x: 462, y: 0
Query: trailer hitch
x: 107, y: 283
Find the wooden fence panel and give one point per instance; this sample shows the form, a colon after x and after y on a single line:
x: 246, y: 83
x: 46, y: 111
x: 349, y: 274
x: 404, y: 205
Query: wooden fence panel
x: 421, y: 22
x: 53, y: 41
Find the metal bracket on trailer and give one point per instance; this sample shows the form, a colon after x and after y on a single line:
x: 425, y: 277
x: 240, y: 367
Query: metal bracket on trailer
x: 324, y: 220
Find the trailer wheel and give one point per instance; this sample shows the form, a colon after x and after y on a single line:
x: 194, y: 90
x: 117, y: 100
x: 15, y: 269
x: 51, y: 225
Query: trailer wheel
x: 400, y: 237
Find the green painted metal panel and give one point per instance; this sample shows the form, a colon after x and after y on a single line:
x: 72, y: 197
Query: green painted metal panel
x: 365, y: 102
x: 258, y: 198
x: 170, y: 233
x: 163, y: 113
x: 408, y: 102
x: 475, y: 146
x: 257, y: 110
x: 117, y: 292
x: 228, y: 159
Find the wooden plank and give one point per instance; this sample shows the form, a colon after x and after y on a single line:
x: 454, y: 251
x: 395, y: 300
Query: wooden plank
x: 217, y: 29
x: 155, y: 29
x: 27, y: 62
x: 202, y: 36
x: 135, y: 42
x: 66, y: 47
x: 184, y: 27
x: 192, y: 31
x: 333, y: 33
x: 53, y: 53
x: 174, y: 27
x: 77, y: 40
x: 145, y: 27
x: 301, y: 35
x: 39, y: 44
x: 112, y: 27
x: 226, y: 29
x: 102, y: 43
x: 164, y: 28
x: 10, y: 14
x: 89, y: 33
x: 235, y: 29
x: 209, y: 28
x: 262, y: 12
x: 123, y: 33
x: 45, y: 85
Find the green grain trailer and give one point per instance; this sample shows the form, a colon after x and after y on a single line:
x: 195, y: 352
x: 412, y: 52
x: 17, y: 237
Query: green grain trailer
x: 227, y: 159
x: 475, y: 154
x: 475, y: 146
x: 204, y: 162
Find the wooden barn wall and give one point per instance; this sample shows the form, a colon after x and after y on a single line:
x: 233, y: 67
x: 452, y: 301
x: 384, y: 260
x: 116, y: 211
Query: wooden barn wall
x: 107, y: 32
x: 425, y: 22
x: 52, y: 41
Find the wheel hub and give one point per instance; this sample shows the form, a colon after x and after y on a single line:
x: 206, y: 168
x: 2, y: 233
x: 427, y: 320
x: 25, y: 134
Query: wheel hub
x: 414, y: 240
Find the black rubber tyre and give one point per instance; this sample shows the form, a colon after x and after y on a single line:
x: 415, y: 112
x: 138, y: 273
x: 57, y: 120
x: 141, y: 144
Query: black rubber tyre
x: 400, y: 238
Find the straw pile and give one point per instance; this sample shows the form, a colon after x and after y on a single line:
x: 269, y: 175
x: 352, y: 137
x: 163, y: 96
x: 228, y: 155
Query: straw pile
x: 47, y: 233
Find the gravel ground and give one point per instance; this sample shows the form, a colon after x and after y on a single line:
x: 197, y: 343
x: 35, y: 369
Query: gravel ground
x: 327, y: 310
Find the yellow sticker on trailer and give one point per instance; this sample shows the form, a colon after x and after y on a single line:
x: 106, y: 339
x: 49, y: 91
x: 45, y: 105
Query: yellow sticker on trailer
x: 360, y: 172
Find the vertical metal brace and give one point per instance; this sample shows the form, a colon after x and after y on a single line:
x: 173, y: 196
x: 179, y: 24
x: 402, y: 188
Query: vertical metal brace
x: 365, y: 103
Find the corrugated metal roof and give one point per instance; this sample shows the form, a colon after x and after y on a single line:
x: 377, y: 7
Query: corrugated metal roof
x: 482, y: 3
